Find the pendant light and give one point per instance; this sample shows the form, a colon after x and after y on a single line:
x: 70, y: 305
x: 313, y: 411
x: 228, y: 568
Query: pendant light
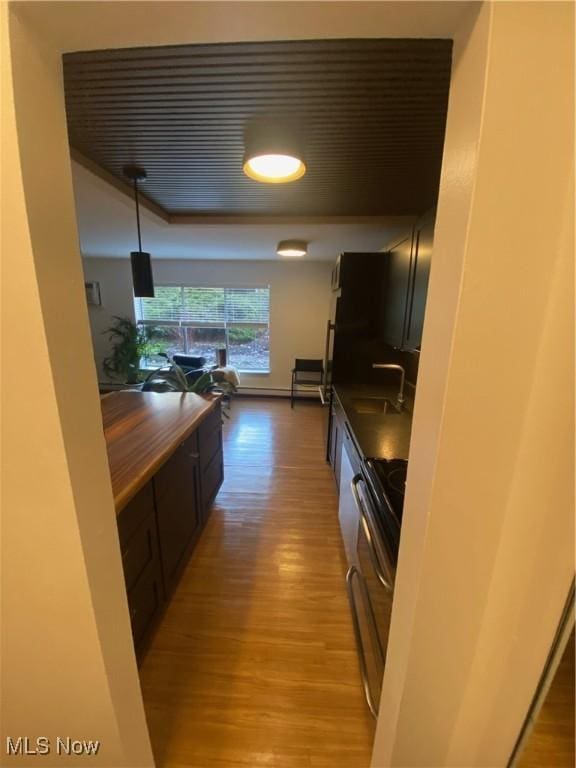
x: 142, y: 279
x: 273, y: 152
x: 292, y: 248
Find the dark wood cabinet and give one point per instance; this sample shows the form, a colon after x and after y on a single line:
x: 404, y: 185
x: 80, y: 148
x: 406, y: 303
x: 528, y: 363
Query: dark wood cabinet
x: 141, y: 560
x: 421, y: 260
x: 356, y: 316
x: 211, y: 458
x: 396, y: 292
x: 159, y: 527
x: 178, y: 508
x: 406, y: 286
x: 335, y: 282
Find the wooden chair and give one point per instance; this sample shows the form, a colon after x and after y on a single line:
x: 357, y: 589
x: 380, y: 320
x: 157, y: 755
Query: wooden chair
x: 308, y: 374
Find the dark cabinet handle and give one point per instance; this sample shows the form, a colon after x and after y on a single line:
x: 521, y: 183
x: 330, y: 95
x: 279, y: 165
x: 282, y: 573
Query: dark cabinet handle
x: 413, y: 288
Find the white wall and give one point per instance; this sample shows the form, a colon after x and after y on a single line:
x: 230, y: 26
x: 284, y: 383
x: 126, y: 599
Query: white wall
x: 299, y: 304
x: 68, y: 658
x: 490, y: 485
x: 487, y: 552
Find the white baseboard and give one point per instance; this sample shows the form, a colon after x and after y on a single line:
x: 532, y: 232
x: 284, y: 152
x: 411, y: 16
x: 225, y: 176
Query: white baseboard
x: 275, y: 392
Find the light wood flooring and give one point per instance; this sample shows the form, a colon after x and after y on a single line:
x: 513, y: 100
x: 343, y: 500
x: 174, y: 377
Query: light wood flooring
x: 254, y: 663
x: 551, y: 742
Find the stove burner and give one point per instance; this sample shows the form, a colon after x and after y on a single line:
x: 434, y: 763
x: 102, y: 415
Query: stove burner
x: 389, y: 479
x: 396, y: 480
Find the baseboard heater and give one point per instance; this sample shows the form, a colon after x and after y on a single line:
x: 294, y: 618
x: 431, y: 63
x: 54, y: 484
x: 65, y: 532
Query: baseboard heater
x: 278, y: 392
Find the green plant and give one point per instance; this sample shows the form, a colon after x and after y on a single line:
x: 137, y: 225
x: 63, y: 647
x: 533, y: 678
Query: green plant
x: 129, y: 343
x: 171, y: 378
x: 242, y: 335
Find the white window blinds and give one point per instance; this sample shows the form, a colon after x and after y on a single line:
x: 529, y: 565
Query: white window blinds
x: 219, y: 307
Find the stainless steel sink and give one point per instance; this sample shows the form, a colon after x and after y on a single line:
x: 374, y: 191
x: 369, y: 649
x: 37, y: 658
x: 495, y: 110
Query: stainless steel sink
x: 379, y: 405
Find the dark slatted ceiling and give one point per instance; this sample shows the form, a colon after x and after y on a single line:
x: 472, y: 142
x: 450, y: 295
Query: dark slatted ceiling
x: 373, y: 112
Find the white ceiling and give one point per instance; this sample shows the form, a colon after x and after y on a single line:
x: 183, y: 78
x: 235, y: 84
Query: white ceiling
x: 107, y: 228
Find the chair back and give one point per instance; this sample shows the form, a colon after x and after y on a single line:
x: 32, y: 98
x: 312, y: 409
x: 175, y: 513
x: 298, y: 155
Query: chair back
x: 301, y: 364
x: 309, y: 370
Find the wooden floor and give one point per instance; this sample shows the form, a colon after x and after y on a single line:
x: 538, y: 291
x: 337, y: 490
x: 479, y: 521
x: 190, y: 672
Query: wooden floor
x: 254, y: 663
x: 551, y: 742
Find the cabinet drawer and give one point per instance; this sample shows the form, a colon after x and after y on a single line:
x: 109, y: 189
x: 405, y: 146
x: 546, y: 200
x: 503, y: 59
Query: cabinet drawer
x: 140, y: 551
x: 212, y: 479
x: 131, y: 517
x: 145, y: 602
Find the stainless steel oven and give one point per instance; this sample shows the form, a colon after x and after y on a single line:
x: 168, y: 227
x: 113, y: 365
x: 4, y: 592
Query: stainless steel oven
x: 370, y: 583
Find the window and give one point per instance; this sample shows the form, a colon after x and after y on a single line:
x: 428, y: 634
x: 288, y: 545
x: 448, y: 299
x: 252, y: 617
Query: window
x: 198, y: 321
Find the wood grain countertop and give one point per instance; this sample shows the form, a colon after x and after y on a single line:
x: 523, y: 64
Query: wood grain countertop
x: 142, y: 429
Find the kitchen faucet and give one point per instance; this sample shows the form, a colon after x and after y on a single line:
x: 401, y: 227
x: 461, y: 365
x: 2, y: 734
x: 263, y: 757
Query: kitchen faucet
x: 395, y: 367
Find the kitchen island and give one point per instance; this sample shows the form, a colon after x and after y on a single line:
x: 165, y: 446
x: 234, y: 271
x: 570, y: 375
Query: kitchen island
x: 166, y: 465
x: 142, y: 429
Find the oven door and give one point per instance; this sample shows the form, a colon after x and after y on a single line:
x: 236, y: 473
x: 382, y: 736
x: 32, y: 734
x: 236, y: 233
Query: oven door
x: 370, y: 589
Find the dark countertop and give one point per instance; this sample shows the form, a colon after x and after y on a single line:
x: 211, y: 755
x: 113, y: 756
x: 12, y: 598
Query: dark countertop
x: 378, y: 435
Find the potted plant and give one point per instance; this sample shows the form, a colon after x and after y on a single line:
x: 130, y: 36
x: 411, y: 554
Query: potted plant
x: 130, y: 342
x: 171, y: 378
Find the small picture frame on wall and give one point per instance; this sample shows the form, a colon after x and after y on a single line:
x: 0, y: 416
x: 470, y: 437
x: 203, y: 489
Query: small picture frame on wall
x: 93, y: 295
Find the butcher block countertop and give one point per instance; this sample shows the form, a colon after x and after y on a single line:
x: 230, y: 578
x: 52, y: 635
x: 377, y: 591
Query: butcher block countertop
x: 142, y: 429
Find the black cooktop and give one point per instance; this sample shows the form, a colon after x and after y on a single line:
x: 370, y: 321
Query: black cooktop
x: 388, y: 481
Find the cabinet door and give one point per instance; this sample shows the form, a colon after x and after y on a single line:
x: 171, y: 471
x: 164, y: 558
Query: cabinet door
x: 393, y: 310
x: 145, y: 601
x: 140, y: 559
x: 176, y: 487
x: 335, y: 446
x: 421, y: 259
x: 336, y: 275
x: 211, y: 458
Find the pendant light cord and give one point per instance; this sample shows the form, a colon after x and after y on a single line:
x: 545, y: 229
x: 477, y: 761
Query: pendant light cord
x: 137, y: 213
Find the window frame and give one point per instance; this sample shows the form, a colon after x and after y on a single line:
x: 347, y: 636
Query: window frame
x: 225, y: 325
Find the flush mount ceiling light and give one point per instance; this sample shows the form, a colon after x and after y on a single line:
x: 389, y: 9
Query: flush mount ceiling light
x: 273, y: 152
x: 292, y: 248
x: 141, y: 267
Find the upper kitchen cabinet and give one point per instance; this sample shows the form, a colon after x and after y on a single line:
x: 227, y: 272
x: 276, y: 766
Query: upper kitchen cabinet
x: 336, y: 275
x: 396, y: 291
x: 421, y: 259
x: 406, y: 286
x: 356, y: 313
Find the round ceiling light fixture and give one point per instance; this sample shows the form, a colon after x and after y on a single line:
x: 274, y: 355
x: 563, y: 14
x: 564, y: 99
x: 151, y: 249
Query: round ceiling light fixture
x: 273, y: 152
x: 292, y: 248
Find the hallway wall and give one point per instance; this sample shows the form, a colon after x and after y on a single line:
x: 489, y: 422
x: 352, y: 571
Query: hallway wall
x: 488, y: 541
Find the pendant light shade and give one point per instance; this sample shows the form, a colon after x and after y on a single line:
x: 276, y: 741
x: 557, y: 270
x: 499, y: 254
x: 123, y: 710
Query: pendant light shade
x: 142, y: 278
x: 273, y: 152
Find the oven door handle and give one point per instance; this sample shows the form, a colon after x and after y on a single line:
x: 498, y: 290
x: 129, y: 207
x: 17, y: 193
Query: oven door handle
x: 384, y: 572
x: 353, y: 571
